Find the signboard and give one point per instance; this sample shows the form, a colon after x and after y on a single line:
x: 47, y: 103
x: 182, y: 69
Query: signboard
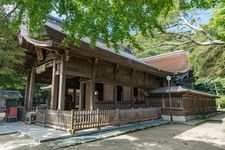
x: 41, y: 68
x: 39, y: 54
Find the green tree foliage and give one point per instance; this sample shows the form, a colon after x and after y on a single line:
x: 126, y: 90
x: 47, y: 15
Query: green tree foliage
x: 11, y: 53
x: 41, y: 96
x: 113, y: 20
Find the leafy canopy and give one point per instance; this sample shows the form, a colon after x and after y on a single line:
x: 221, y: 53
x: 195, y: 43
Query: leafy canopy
x: 10, y: 52
x: 112, y: 20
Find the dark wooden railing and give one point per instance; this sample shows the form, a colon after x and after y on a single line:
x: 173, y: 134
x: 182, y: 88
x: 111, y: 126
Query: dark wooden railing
x: 78, y: 120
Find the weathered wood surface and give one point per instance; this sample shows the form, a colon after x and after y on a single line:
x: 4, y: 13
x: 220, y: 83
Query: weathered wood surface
x: 78, y: 120
x: 54, y: 118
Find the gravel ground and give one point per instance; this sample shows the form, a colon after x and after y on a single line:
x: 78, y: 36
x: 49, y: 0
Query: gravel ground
x: 206, y: 136
x: 166, y: 137
x: 19, y: 142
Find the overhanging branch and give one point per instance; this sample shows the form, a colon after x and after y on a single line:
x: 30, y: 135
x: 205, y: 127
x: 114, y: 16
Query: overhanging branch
x: 188, y: 24
x: 206, y: 43
x: 9, y: 13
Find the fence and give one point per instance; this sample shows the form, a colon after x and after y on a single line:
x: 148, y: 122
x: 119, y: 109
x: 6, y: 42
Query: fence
x: 52, y: 118
x: 78, y: 120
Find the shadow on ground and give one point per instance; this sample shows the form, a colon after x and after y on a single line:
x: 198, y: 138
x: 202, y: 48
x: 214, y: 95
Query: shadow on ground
x: 209, y: 135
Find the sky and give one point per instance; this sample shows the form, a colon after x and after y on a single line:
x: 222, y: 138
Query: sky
x: 204, y: 16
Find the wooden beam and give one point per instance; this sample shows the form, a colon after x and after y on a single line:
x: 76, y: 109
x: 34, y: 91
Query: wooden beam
x: 25, y: 103
x: 62, y: 84
x: 31, y: 90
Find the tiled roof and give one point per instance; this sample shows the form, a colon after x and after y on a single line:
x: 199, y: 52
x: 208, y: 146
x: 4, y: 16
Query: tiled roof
x: 177, y: 89
x: 176, y: 62
x: 55, y: 23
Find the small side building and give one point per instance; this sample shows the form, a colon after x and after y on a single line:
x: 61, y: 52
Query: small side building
x: 11, y: 103
x: 187, y: 104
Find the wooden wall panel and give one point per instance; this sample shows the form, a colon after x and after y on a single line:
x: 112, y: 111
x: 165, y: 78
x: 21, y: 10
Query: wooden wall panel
x: 127, y: 93
x: 108, y: 92
x: 148, y: 81
x: 123, y: 74
x: 78, y: 66
x: 156, y: 83
x: 104, y: 71
x: 139, y: 78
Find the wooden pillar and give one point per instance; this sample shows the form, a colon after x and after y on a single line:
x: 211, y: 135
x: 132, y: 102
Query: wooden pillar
x: 62, y: 83
x: 31, y: 90
x: 115, y: 85
x: 132, y: 87
x: 81, y: 96
x: 145, y: 86
x: 54, y: 90
x: 25, y: 103
x: 92, y: 97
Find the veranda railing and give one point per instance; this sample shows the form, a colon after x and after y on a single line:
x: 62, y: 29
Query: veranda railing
x: 78, y: 120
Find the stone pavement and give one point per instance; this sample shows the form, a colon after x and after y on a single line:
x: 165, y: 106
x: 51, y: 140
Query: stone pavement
x: 44, y: 134
x: 106, y: 134
x: 38, y: 133
x: 4, y: 130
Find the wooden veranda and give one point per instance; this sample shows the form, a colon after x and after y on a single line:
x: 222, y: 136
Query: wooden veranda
x: 78, y: 120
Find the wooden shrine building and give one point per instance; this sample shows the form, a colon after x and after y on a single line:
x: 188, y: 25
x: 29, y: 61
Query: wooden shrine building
x: 187, y: 104
x: 85, y: 78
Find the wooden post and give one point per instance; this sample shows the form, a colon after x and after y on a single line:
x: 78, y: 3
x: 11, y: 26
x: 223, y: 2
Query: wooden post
x: 141, y: 113
x: 98, y: 119
x: 58, y: 118
x: 62, y: 84
x: 45, y: 117
x: 81, y: 96
x: 54, y: 89
x: 31, y: 90
x: 145, y: 85
x: 25, y: 103
x: 117, y: 116
x: 92, y: 99
x: 72, y: 122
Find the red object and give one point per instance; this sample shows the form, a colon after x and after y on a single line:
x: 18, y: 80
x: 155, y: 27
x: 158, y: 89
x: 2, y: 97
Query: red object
x: 11, y: 111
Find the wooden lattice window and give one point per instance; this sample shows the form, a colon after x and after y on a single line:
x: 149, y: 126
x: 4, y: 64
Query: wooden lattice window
x: 176, y: 102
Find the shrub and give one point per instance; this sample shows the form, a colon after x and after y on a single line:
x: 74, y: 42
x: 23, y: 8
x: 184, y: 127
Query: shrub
x: 221, y: 102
